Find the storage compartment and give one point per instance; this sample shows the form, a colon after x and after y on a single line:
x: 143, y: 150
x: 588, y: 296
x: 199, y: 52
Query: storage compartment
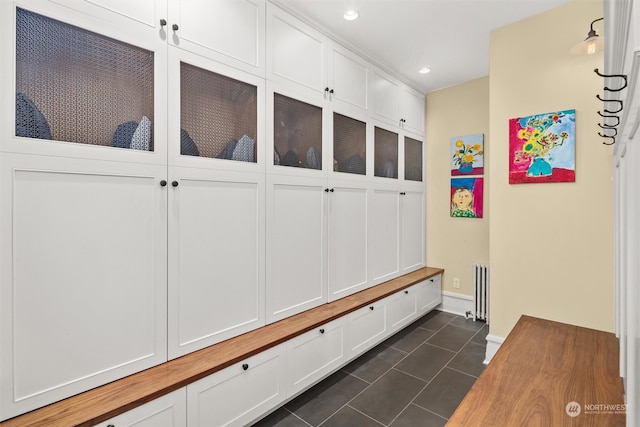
x: 429, y: 294
x: 239, y: 394
x: 412, y: 159
x: 297, y: 133
x: 314, y: 354
x: 367, y: 327
x: 349, y: 145
x: 78, y: 86
x: 386, y: 153
x: 402, y: 308
x: 218, y: 115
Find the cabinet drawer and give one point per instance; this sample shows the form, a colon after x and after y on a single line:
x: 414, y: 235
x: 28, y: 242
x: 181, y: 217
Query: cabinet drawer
x: 429, y: 294
x: 238, y: 394
x: 166, y: 411
x: 403, y: 308
x: 367, y: 326
x: 314, y: 354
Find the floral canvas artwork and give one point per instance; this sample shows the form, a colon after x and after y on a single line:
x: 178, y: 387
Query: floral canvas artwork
x: 467, y: 155
x: 542, y: 148
x: 466, y: 197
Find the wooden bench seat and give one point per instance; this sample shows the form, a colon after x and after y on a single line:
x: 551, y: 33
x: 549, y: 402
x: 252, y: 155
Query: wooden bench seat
x: 112, y: 399
x: 538, y: 371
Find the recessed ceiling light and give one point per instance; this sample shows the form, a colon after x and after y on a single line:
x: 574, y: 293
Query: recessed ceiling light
x: 425, y: 70
x: 351, y: 15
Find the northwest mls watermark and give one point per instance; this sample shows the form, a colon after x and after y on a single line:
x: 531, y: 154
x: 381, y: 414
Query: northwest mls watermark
x: 574, y: 409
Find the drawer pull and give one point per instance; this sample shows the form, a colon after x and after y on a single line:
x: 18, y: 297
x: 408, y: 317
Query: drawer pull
x: 163, y: 183
x: 175, y: 27
x: 174, y: 183
x: 111, y: 425
x: 322, y: 331
x: 406, y: 292
x: 163, y: 22
x: 371, y: 308
x: 245, y: 366
x: 431, y: 280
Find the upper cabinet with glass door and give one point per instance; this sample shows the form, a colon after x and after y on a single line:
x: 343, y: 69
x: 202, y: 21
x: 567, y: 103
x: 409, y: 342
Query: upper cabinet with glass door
x: 229, y: 31
x: 216, y: 114
x: 79, y: 92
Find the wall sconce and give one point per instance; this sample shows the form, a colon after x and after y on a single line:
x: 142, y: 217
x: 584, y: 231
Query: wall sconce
x: 592, y: 44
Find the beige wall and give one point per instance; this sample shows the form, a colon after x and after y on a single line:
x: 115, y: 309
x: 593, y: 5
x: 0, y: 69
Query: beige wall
x: 455, y: 243
x: 551, y: 245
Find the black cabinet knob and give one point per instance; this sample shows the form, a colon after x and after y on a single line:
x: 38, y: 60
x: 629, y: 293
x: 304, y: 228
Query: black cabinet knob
x: 322, y: 331
x: 431, y: 280
x: 245, y: 366
x: 163, y: 183
x: 326, y: 89
x: 326, y: 190
x: 174, y: 183
x: 111, y: 425
x: 332, y: 190
x: 371, y: 308
x: 163, y: 22
x: 331, y: 91
x: 175, y: 27
x: 406, y: 292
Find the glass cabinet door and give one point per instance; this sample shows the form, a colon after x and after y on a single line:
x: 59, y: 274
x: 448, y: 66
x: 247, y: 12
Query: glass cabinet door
x: 386, y: 153
x: 218, y: 116
x: 349, y: 145
x: 297, y: 133
x: 81, y: 87
x: 412, y: 159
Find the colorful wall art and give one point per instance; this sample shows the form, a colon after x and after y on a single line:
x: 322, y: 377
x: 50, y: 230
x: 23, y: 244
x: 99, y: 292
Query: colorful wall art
x: 542, y: 148
x: 466, y: 197
x: 467, y: 155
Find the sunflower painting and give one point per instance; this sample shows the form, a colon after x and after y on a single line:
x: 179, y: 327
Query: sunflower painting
x: 467, y: 155
x: 542, y: 148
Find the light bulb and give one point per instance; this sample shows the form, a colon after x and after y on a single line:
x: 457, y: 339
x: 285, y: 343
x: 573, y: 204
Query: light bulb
x: 591, y: 47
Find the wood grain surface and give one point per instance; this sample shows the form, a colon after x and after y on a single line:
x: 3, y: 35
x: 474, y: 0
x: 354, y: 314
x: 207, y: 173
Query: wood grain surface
x: 540, y: 368
x: 105, y: 402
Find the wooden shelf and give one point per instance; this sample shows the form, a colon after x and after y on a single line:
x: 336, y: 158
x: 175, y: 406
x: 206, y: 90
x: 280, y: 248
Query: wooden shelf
x: 107, y: 401
x: 540, y: 368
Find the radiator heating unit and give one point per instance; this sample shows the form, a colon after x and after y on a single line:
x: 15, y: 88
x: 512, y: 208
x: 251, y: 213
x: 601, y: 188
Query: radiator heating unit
x: 480, y: 293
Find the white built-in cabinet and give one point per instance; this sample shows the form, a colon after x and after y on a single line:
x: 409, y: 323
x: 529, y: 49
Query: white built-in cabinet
x: 263, y: 382
x: 622, y: 108
x: 116, y: 259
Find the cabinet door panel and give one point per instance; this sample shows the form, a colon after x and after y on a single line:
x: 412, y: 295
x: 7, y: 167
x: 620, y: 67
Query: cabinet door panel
x: 348, y: 79
x: 367, y: 326
x: 231, y: 31
x: 385, y: 98
x: 412, y: 231
x: 313, y: 355
x: 297, y: 52
x: 216, y: 250
x: 347, y: 240
x: 412, y: 110
x: 296, y: 236
x: 429, y: 294
x: 402, y: 308
x: 86, y: 241
x: 167, y: 411
x: 236, y: 396
x: 384, y: 234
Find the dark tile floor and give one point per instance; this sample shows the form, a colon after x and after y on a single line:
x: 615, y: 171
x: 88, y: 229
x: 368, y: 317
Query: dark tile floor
x: 415, y: 378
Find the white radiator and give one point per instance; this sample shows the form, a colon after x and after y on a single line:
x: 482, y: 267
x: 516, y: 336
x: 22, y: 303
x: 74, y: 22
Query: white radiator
x: 480, y: 292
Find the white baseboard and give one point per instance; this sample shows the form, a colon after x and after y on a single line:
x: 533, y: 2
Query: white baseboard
x: 493, y: 344
x: 455, y: 303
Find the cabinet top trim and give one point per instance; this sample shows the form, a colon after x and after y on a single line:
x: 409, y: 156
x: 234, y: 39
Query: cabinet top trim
x: 110, y: 400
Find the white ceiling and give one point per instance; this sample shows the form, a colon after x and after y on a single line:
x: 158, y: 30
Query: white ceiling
x: 449, y: 36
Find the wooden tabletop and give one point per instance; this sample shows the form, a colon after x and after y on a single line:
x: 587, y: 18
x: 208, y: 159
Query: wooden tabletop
x: 103, y: 403
x: 543, y: 372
